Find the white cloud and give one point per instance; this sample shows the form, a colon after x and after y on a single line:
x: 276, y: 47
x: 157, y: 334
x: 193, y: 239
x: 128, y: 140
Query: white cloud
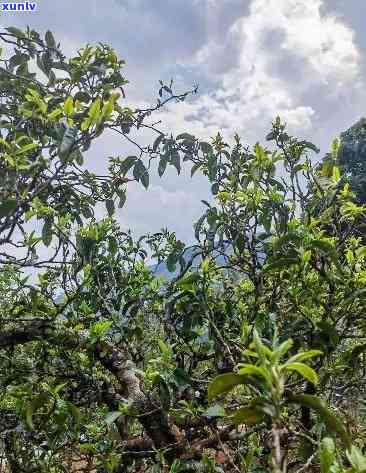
x: 274, y: 34
x: 282, y: 57
x: 150, y: 211
x: 324, y: 41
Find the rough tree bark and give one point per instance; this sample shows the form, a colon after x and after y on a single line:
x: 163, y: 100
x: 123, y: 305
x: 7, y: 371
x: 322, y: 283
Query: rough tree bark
x: 149, y: 412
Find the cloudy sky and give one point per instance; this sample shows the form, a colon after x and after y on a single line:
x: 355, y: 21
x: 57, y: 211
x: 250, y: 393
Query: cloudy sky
x: 252, y: 59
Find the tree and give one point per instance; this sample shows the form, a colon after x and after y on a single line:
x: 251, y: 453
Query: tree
x: 49, y: 119
x: 352, y: 157
x: 251, y: 362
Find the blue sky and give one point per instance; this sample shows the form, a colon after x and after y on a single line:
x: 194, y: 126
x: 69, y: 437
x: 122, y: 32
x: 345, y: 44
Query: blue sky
x: 253, y: 59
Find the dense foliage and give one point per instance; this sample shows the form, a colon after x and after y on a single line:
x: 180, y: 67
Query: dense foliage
x: 352, y: 157
x: 250, y: 359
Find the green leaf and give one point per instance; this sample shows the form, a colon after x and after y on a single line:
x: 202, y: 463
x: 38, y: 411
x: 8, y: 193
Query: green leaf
x: 327, y: 454
x: 109, y: 203
x: 305, y: 355
x: 171, y: 262
x: 47, y: 232
x: 215, y: 411
x: 361, y: 252
x: 189, y: 281
x: 18, y: 59
x: 176, y: 467
x: 252, y: 370
x: 39, y: 401
x: 7, y: 206
x: 112, y: 245
x: 77, y: 156
x: 334, y: 424
x: 162, y: 166
x: 299, y: 167
x: 87, y: 211
x: 181, y: 377
x: 111, y: 417
x: 98, y: 330
x: 139, y: 169
x: 26, y: 148
x: 206, y: 147
x: 271, y: 136
x: 250, y: 353
x: 263, y: 351
x: 356, y: 458
x: 75, y: 413
x: 29, y: 415
x: 157, y: 142
x: 323, y: 245
x: 224, y: 383
x: 163, y: 347
x: 280, y: 263
x: 22, y: 70
x: 306, y: 256
x: 127, y: 164
x: 212, y: 167
x: 185, y: 136
x: 277, y: 184
x: 305, y: 371
x: 50, y: 40
x: 215, y: 188
x: 329, y: 331
x: 140, y: 173
x: 145, y: 179
x: 122, y: 200
x: 67, y: 143
x: 335, y: 148
x: 247, y: 415
x: 336, y: 174
x: 198, y: 226
x: 95, y: 111
x: 355, y: 352
x: 15, y: 31
x: 280, y: 351
x: 69, y: 106
x: 309, y: 145
x: 175, y: 160
x: 59, y: 387
x: 164, y: 393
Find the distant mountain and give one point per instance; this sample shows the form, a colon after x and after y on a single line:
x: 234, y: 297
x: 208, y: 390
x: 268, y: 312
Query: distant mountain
x: 162, y: 270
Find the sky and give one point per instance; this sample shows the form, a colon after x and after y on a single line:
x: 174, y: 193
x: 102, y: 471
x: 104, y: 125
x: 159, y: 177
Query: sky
x: 252, y: 59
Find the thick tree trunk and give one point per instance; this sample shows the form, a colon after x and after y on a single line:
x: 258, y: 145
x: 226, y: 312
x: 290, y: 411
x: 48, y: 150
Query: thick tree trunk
x: 116, y: 360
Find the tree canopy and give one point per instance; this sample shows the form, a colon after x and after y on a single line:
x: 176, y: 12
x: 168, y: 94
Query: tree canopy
x: 352, y: 157
x: 250, y: 359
